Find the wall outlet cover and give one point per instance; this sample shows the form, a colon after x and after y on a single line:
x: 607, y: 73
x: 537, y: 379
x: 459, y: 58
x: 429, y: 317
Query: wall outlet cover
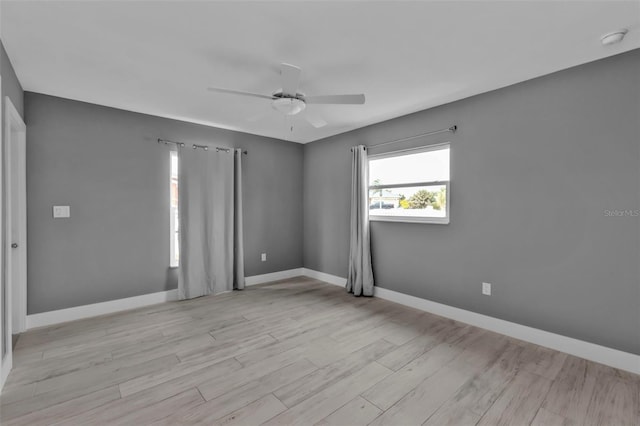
x: 61, y: 212
x: 486, y: 289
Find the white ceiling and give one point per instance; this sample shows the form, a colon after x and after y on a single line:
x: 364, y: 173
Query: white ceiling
x: 159, y: 57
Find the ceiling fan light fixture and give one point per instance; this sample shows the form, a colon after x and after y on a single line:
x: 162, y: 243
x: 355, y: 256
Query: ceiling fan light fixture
x: 288, y: 106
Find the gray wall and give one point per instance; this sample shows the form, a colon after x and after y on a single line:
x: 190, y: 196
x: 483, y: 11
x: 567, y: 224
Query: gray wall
x: 534, y: 167
x: 105, y: 163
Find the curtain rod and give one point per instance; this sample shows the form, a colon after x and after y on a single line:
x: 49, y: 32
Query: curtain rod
x: 451, y: 129
x: 196, y: 146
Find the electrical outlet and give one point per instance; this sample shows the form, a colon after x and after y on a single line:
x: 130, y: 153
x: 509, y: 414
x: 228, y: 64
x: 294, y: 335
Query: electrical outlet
x: 263, y: 257
x: 486, y: 289
x: 61, y: 212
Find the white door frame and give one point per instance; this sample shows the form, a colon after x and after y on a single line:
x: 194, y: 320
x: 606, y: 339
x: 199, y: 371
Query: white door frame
x: 15, y: 137
x: 6, y: 361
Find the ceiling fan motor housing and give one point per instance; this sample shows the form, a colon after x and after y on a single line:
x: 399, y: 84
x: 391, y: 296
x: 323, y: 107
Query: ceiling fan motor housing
x: 288, y: 105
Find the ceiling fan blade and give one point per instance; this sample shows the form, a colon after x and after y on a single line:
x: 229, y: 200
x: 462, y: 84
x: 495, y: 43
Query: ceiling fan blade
x: 290, y: 79
x: 335, y: 99
x: 239, y: 92
x: 314, y: 119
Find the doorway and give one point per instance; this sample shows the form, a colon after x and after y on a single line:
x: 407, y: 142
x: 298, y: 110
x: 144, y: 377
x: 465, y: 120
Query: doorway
x: 13, y: 297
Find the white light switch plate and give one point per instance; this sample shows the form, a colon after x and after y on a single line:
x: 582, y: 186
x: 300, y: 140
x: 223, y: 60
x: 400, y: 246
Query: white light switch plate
x: 61, y: 212
x: 486, y: 289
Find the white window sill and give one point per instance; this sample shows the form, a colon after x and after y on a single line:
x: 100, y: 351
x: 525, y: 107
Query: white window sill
x: 409, y: 219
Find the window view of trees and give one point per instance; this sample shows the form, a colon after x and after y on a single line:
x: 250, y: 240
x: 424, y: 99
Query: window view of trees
x: 421, y: 199
x: 410, y: 185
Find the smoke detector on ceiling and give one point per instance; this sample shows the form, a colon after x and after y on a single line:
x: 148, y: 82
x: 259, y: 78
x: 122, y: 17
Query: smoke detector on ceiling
x: 614, y: 37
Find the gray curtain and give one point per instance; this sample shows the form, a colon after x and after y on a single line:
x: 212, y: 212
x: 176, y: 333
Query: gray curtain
x: 360, y: 278
x: 210, y: 216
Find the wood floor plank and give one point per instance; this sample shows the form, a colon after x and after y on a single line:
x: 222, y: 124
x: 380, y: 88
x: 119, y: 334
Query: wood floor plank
x: 183, y: 401
x: 571, y: 392
x: 102, y: 342
x: 165, y: 346
x: 183, y: 383
x: 484, y: 349
x: 225, y: 349
x: 111, y: 372
x: 252, y: 357
x: 49, y: 368
x: 240, y: 396
x: 307, y: 386
x: 56, y: 341
x: 325, y: 402
x: 376, y: 315
x: 66, y: 410
x: 212, y: 368
x: 356, y: 412
x: 254, y: 413
x: 214, y: 388
x: 318, y: 321
x: 394, y: 387
x: 614, y: 402
x: 252, y: 328
x: 299, y: 351
x: 399, y: 333
x: 469, y: 403
x: 150, y: 323
x: 424, y: 399
x: 520, y: 401
x: 417, y: 346
x: 547, y: 418
x: 199, y: 325
x: 65, y: 390
x: 336, y: 351
x: 26, y: 357
x: 15, y: 393
x: 542, y: 361
x: 118, y: 413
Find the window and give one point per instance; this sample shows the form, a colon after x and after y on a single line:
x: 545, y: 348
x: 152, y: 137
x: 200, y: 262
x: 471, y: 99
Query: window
x: 410, y: 186
x: 174, y: 230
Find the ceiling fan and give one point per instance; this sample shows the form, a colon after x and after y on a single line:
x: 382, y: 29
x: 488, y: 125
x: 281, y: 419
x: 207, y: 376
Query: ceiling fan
x: 290, y: 102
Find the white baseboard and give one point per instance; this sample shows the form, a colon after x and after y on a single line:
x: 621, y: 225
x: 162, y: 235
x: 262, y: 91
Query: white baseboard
x: 273, y: 276
x: 96, y: 309
x: 328, y: 278
x: 602, y: 354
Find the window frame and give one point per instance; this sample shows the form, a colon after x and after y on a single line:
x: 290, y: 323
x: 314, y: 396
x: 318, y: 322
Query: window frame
x: 414, y: 219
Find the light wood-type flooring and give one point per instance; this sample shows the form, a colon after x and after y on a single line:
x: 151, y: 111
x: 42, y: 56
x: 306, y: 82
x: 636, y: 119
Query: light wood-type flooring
x: 301, y: 352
